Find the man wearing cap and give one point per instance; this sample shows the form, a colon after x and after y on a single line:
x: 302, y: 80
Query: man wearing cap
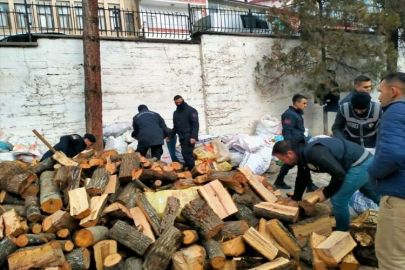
x: 72, y: 145
x: 150, y: 131
x: 358, y: 120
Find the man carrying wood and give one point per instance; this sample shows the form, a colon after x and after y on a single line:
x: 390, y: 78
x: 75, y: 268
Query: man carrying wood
x: 186, y: 125
x: 149, y: 130
x: 388, y: 172
x: 293, y: 128
x: 358, y: 120
x: 71, y: 145
x: 345, y: 161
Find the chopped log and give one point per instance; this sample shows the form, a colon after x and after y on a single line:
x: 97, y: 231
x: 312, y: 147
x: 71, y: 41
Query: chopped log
x: 244, y: 199
x: 129, y: 162
x: 34, y: 239
x: 62, y: 176
x: 13, y: 226
x: 95, y: 162
x: 19, y: 209
x: 184, y: 184
x: 7, y: 247
x: 32, y: 208
x: 116, y: 158
x: 79, y: 203
x: 185, y: 175
x: 274, y: 210
x: 170, y: 213
x: 141, y: 221
x: 128, y: 236
x: 140, y: 185
x: 190, y: 237
x: 267, y: 235
x: 177, y: 166
x: 66, y: 245
x: 218, y: 198
x: 149, y: 212
x: 231, y: 230
x: 255, y: 198
x: 1, y: 227
x: 244, y: 213
x: 255, y: 183
x: 201, y: 169
x: 312, y: 198
x: 57, y: 221
x: 317, y: 262
x: 201, y: 179
x: 349, y: 262
x: 35, y: 228
x: 128, y: 194
x: 98, y: 182
x: 114, y: 262
x: 112, y: 186
x: 102, y: 249
x: 248, y: 262
x: 161, y: 252
x: 61, y: 158
x: 84, y: 155
x: 107, y: 153
x: 116, y: 210
x: 168, y: 169
x: 150, y: 175
x: 277, y: 264
x: 24, y: 225
x: 202, y: 217
x: 232, y: 180
x: 90, y: 236
x: 50, y: 198
x: 260, y: 244
x: 215, y: 253
x: 63, y: 233
x: 46, y: 164
x: 169, y: 177
x: 284, y: 238
x: 189, y: 258
x: 335, y: 247
x: 14, y: 178
x: 79, y: 258
x: 133, y: 263
x: 73, y: 182
x: 47, y: 255
x: 97, y: 204
x: 302, y: 230
x: 32, y: 190
x: 229, y: 265
x: 364, y: 228
x: 6, y: 198
x: 157, y: 184
x: 234, y: 247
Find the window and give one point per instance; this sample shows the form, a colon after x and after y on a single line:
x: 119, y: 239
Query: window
x: 129, y: 22
x: 4, y: 15
x: 20, y: 11
x: 65, y: 19
x: 101, y: 19
x: 115, y: 18
x: 79, y: 17
x: 45, y: 16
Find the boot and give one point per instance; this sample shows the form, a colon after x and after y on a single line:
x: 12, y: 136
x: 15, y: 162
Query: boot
x: 280, y: 184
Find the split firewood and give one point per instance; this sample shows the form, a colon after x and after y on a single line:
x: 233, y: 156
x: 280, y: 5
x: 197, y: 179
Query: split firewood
x: 266, y: 194
x: 19, y: 209
x: 13, y: 226
x: 248, y: 262
x: 35, y: 228
x: 149, y: 212
x: 201, y: 169
x: 102, y: 249
x: 176, y: 166
x: 130, y: 237
x: 32, y: 208
x: 98, y: 182
x: 7, y: 247
x: 274, y: 210
x: 107, y: 154
x: 215, y: 253
x: 14, y: 178
x: 315, y: 240
x: 110, y: 166
x: 231, y: 230
x: 129, y: 162
x: 190, y: 237
x: 32, y: 190
x: 170, y: 213
x: 282, y: 252
x: 349, y: 262
x: 335, y: 247
x: 116, y: 210
x: 89, y: 236
x: 191, y: 257
x: 277, y: 264
x: 34, y: 239
x: 57, y: 221
x: 97, y: 204
x: 184, y: 184
x: 141, y: 221
x: 79, y: 258
x: 234, y: 247
x: 233, y: 180
x: 66, y: 245
x: 50, y: 198
x: 114, y: 262
x: 112, y: 186
x: 79, y: 203
x: 95, y: 162
x: 84, y: 155
x: 73, y: 182
x: 1, y: 227
x: 202, y: 217
x: 245, y: 213
x: 6, y: 198
x: 364, y: 228
x: 260, y: 244
x: 63, y: 175
x: 303, y: 229
x: 284, y: 238
x: 201, y: 179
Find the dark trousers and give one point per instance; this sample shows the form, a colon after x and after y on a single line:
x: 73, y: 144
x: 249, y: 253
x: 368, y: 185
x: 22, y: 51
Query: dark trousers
x: 171, y: 145
x: 187, y: 152
x: 156, y: 150
x: 284, y: 171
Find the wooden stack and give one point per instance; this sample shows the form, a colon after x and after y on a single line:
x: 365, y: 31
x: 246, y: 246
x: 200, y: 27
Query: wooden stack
x: 97, y: 215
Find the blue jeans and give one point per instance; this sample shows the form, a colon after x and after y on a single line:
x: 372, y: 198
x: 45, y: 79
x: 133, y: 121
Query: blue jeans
x: 357, y: 178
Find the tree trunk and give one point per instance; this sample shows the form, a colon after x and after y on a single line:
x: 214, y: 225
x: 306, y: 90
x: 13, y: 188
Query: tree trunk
x: 98, y: 182
x: 150, y: 212
x: 32, y: 207
x: 170, y: 213
x: 89, y: 236
x: 50, y: 198
x: 215, y: 253
x: 129, y: 162
x: 34, y: 239
x: 79, y: 258
x: 201, y: 169
x: 7, y: 247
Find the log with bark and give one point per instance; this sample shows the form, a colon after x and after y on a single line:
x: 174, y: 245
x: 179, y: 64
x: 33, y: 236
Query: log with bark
x: 114, y: 262
x: 7, y: 247
x: 63, y: 175
x: 50, y: 198
x: 89, y: 236
x: 32, y: 208
x: 201, y: 169
x: 245, y: 213
x: 102, y: 249
x: 282, y: 252
x: 98, y: 182
x: 73, y: 182
x: 116, y: 210
x: 274, y: 210
x: 149, y: 212
x: 142, y: 223
x: 7, y: 198
x: 66, y: 245
x: 57, y: 221
x: 97, y: 204
x: 79, y: 258
x: 303, y: 229
x: 233, y: 180
x: 32, y: 190
x: 19, y: 209
x: 255, y: 183
x: 14, y: 178
x: 46, y: 164
x: 84, y: 155
x: 189, y: 258
x: 133, y: 263
x: 248, y: 262
x: 260, y: 244
x: 34, y: 239
x: 63, y: 233
x: 190, y: 237
x: 232, y: 229
x: 128, y: 194
x: 35, y: 228
x: 215, y: 253
x: 129, y: 162
x: 149, y: 175
x: 170, y: 213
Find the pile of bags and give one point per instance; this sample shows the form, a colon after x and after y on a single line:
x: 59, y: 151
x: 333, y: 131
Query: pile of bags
x: 16, y: 148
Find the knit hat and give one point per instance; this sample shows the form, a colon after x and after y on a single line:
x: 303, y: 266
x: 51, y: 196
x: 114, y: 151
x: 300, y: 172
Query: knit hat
x: 90, y: 137
x: 361, y: 101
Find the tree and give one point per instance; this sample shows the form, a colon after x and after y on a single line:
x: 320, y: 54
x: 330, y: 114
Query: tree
x: 336, y: 40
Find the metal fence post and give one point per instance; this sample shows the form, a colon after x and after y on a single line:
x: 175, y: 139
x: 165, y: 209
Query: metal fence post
x: 27, y: 21
x: 190, y: 24
x: 115, y: 11
x: 250, y: 21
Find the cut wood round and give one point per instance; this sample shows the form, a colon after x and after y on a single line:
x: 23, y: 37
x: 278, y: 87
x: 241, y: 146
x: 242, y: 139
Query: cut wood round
x: 190, y: 237
x: 232, y: 229
x: 32, y: 207
x: 149, y: 175
x: 234, y: 247
x: 50, y: 198
x: 6, y: 198
x: 129, y: 162
x: 34, y: 239
x: 192, y: 257
x: 63, y: 233
x: 157, y: 184
x: 32, y: 190
x: 7, y: 246
x: 57, y: 221
x: 133, y: 263
x: 215, y: 253
x: 35, y: 228
x: 66, y: 245
x: 98, y: 181
x: 200, y: 169
x: 79, y: 258
x: 114, y: 262
x: 202, y: 217
x: 89, y: 236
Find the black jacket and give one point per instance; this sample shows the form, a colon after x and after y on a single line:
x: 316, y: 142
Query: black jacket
x: 149, y: 128
x: 326, y: 155
x: 361, y: 130
x: 71, y: 145
x: 293, y: 124
x: 348, y: 98
x: 185, y: 122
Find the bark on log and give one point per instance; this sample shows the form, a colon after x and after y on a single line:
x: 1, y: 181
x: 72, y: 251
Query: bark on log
x: 303, y: 229
x: 133, y: 263
x: 128, y: 194
x: 97, y: 204
x: 90, y: 236
x: 19, y: 209
x: 190, y: 237
x: 161, y: 252
x: 244, y: 213
x: 201, y: 169
x: 129, y: 162
x: 366, y: 256
x: 50, y: 198
x: 6, y: 198
x: 129, y: 237
x: 73, y: 182
x: 14, y: 178
x: 63, y: 175
x: 66, y: 245
x: 170, y: 213
x: 102, y: 249
x: 116, y: 158
x: 34, y: 239
x: 233, y: 180
x: 7, y: 247
x: 232, y: 229
x: 244, y: 199
x: 202, y: 217
x: 189, y: 258
x: 98, y: 182
x: 32, y: 190
x: 46, y: 164
x: 79, y: 258
x: 84, y: 155
x: 32, y: 208
x: 277, y: 211
x: 142, y: 223
x: 150, y: 212
x: 35, y: 228
x: 57, y: 221
x: 215, y: 253
x: 114, y: 262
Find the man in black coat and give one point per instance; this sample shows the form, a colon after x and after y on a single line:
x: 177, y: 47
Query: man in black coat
x: 361, y: 84
x: 185, y: 124
x: 71, y: 145
x: 150, y: 131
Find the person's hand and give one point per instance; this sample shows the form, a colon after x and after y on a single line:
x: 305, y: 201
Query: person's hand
x: 192, y: 141
x: 293, y: 203
x: 167, y: 139
x: 322, y: 197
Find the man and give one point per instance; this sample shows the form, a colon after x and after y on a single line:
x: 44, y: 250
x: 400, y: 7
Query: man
x: 71, y: 145
x: 149, y: 130
x: 388, y: 171
x: 293, y: 128
x: 361, y: 84
x: 185, y: 124
x: 345, y: 161
x: 358, y: 120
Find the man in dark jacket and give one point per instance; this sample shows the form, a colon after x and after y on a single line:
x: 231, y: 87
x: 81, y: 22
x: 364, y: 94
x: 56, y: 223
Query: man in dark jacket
x: 345, y: 161
x: 293, y: 128
x: 361, y: 84
x: 358, y: 120
x: 71, y: 145
x: 149, y: 130
x: 388, y: 172
x: 185, y: 124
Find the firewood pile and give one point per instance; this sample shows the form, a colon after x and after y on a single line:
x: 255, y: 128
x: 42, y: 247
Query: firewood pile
x: 104, y: 211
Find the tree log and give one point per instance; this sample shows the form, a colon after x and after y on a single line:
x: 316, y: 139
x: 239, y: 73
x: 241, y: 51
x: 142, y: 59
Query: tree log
x: 97, y: 204
x: 50, y: 198
x: 244, y: 199
x: 13, y: 226
x: 303, y: 229
x: 79, y: 203
x: 244, y: 213
x: 35, y: 228
x: 234, y: 247
x: 133, y: 263
x: 161, y: 252
x: 114, y: 262
x: 231, y: 230
x: 277, y: 211
x: 32, y: 208
x: 46, y: 164
x: 190, y: 237
x: 233, y: 180
x: 201, y: 169
x: 63, y: 233
x: 267, y: 235
x: 284, y: 238
x: 202, y: 217
x: 142, y: 223
x: 215, y: 253
x: 90, y: 236
x: 7, y: 247
x: 79, y: 258
x: 98, y: 182
x: 150, y: 212
x: 170, y: 213
x: 32, y: 190
x: 14, y: 178
x: 366, y: 256
x: 116, y: 158
x: 128, y: 194
x: 6, y: 198
x: 57, y: 221
x: 66, y: 245
x: 189, y: 258
x: 260, y: 244
x: 19, y: 209
x: 130, y: 237
x: 102, y: 249
x: 129, y: 162
x: 34, y: 239
x: 73, y: 182
x: 317, y: 262
x: 84, y: 155
x: 255, y: 183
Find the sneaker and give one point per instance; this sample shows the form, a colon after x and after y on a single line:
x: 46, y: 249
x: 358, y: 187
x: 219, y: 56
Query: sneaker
x: 312, y: 187
x: 282, y: 185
